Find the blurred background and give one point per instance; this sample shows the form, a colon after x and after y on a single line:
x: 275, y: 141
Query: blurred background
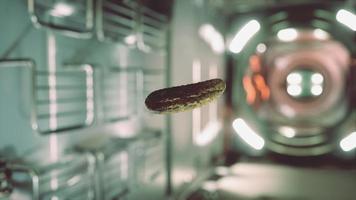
x: 74, y: 76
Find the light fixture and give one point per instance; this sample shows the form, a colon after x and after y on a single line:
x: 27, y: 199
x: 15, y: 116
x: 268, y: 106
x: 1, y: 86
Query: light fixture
x: 62, y: 10
x: 317, y: 78
x: 130, y: 39
x: 244, y: 35
x: 294, y: 78
x: 287, y: 35
x: 287, y: 131
x: 316, y: 90
x: 247, y: 134
x: 207, y: 135
x: 347, y: 18
x: 320, y: 34
x: 212, y: 37
x: 349, y: 142
x: 261, y: 48
x: 294, y: 90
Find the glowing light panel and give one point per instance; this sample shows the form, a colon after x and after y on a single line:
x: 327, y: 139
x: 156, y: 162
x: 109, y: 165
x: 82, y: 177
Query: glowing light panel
x: 62, y: 10
x: 287, y: 131
x: 347, y: 18
x: 349, y: 142
x: 316, y: 90
x: 261, y: 48
x: 294, y: 78
x: 244, y: 35
x: 294, y: 90
x: 317, y: 78
x: 320, y: 34
x: 247, y: 134
x: 212, y: 37
x: 287, y: 35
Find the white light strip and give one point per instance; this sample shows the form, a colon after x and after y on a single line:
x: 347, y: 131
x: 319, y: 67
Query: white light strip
x: 62, y: 10
x: 294, y: 90
x: 349, y: 142
x: 287, y: 131
x: 207, y: 135
x: 53, y: 109
x: 321, y: 34
x: 196, y: 113
x: 287, y: 35
x: 247, y: 134
x: 130, y: 39
x: 52, y: 82
x: 212, y: 37
x: 347, y: 18
x: 213, y: 106
x: 244, y: 35
x: 89, y: 94
x: 196, y: 71
x: 317, y: 79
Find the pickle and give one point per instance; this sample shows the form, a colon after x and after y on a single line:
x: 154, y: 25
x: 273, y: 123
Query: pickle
x: 185, y: 97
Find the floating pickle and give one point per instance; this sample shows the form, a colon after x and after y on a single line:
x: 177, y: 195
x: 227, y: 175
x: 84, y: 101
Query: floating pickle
x: 185, y: 97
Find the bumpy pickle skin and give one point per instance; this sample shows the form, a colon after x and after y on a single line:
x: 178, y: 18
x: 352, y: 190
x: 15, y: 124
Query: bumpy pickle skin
x: 185, y: 97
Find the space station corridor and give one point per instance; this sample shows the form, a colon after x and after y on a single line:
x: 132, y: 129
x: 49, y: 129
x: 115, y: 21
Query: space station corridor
x: 178, y: 100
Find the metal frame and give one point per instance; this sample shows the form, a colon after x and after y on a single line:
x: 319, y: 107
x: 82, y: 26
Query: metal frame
x: 150, y: 33
x: 99, y: 21
x: 62, y: 29
x: 144, y: 21
x: 28, y: 63
x: 138, y: 75
x: 5, y: 187
x: 35, y: 176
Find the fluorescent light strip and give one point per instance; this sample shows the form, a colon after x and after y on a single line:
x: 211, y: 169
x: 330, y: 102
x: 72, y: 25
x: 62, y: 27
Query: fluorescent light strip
x: 349, y: 142
x: 247, y: 134
x: 62, y: 10
x: 207, y: 135
x: 212, y: 37
x: 347, y: 18
x: 244, y: 35
x: 287, y: 35
x: 321, y: 34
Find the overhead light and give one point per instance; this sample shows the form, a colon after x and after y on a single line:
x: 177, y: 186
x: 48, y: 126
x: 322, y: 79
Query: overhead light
x: 316, y: 90
x: 212, y: 37
x: 347, y: 18
x: 287, y: 35
x: 287, y: 131
x: 294, y: 78
x: 349, y: 142
x: 261, y: 48
x: 62, y: 10
x: 244, y: 35
x: 247, y: 134
x: 208, y: 134
x: 130, y: 39
x: 317, y: 78
x: 294, y: 90
x: 320, y: 34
